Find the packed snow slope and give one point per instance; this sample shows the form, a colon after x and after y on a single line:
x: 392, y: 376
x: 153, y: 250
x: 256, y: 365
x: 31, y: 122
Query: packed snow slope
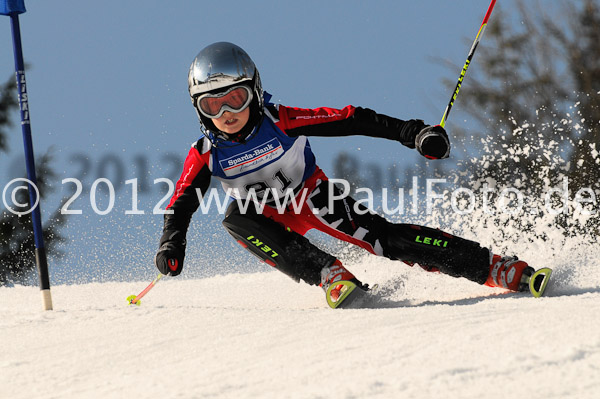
x: 261, y: 335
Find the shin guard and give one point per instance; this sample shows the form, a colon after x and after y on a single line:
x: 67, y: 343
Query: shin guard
x: 435, y: 249
x: 286, y: 250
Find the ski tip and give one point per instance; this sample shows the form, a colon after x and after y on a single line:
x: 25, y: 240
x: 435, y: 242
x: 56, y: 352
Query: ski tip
x: 131, y: 298
x: 538, y: 281
x: 338, y: 292
x: 348, y: 295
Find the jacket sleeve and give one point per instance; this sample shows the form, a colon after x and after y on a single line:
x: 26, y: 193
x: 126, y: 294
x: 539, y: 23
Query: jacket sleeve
x: 349, y: 121
x: 196, y: 174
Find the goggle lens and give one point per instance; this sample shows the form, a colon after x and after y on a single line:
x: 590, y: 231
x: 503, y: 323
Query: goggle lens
x: 235, y: 100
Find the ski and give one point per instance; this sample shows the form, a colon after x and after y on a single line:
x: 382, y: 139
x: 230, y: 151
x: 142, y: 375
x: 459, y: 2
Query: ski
x: 538, y: 281
x: 350, y: 295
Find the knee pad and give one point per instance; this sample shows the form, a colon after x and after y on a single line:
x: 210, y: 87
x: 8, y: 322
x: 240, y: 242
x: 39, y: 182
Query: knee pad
x: 434, y: 248
x: 273, y: 244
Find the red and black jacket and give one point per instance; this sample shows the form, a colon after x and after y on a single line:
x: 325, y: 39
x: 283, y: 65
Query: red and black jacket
x: 293, y: 122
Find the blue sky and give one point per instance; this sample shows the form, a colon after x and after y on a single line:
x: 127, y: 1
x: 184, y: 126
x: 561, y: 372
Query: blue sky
x: 108, y: 85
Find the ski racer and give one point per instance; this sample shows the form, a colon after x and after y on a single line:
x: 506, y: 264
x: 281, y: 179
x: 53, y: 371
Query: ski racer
x: 260, y: 150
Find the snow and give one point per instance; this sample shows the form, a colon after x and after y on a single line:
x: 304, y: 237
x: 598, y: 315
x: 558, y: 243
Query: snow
x: 259, y: 334
x: 262, y: 335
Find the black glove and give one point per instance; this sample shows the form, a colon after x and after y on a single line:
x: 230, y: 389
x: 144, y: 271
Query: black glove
x: 432, y: 142
x: 170, y: 255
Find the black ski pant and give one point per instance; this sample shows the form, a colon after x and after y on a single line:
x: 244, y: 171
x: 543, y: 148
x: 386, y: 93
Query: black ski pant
x: 278, y: 238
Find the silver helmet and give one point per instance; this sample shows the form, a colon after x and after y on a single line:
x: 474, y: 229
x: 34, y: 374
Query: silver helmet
x: 218, y: 67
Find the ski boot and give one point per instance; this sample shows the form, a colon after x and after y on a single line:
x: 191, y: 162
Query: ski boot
x: 516, y: 275
x: 340, y: 286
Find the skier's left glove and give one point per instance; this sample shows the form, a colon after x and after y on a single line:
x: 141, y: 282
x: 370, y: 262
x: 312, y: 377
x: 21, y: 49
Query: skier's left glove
x: 432, y: 142
x: 170, y: 255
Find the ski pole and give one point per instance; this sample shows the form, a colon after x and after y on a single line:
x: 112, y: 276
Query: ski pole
x: 135, y: 300
x: 13, y: 8
x: 467, y: 63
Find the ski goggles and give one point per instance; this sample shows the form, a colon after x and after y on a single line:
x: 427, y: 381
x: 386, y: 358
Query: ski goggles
x: 236, y: 99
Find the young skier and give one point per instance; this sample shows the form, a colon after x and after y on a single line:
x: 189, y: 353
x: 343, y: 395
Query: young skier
x: 258, y: 148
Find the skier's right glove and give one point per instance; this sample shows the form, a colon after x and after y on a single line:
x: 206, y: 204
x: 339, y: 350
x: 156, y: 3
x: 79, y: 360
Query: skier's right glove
x: 170, y: 255
x: 432, y: 142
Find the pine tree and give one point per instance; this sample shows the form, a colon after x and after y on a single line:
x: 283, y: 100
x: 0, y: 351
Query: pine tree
x: 17, y: 256
x: 542, y: 74
x: 8, y: 103
x: 535, y: 91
